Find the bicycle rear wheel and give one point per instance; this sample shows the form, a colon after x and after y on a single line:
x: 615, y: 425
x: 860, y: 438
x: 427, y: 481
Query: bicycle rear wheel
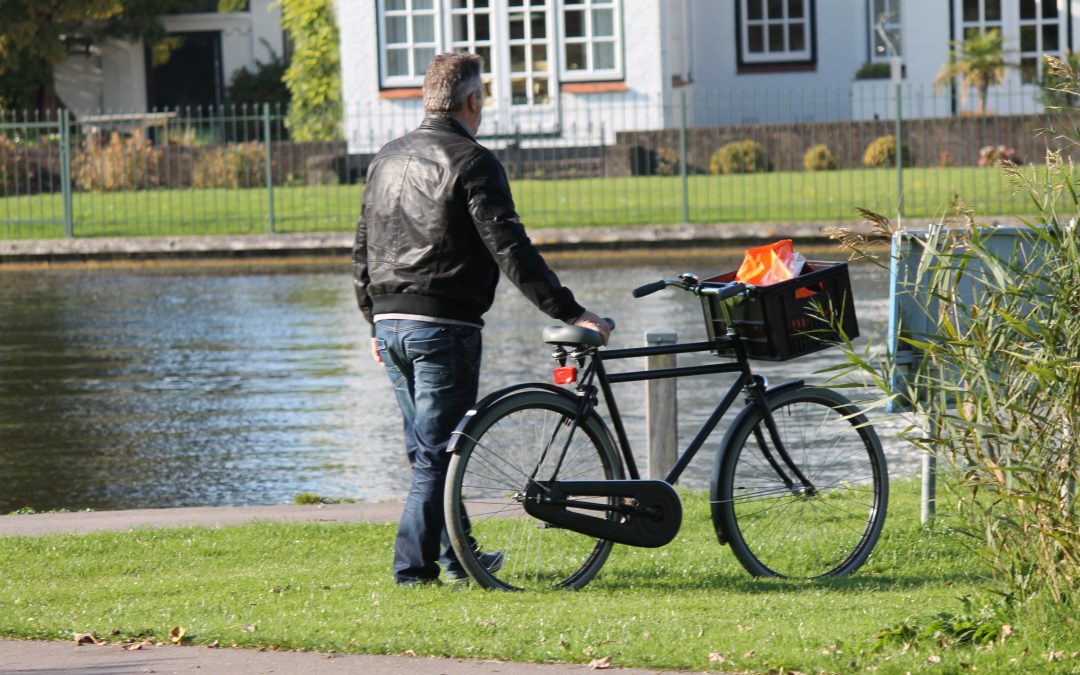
x: 783, y: 530
x: 505, y: 444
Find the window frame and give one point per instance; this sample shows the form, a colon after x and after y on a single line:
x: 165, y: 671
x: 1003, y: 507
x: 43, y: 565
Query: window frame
x: 413, y: 80
x: 767, y: 59
x: 893, y: 27
x: 590, y: 74
x: 1039, y: 23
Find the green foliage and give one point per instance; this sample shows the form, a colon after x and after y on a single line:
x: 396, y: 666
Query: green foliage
x: 881, y: 153
x: 739, y: 157
x: 872, y: 70
x: 820, y: 158
x: 236, y: 165
x: 35, y: 36
x: 314, y: 75
x: 265, y: 85
x: 315, y: 498
x: 997, y: 375
x: 979, y: 62
x: 1059, y: 81
x: 121, y: 164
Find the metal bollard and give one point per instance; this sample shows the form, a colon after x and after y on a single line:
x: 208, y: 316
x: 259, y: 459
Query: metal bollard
x: 661, y: 416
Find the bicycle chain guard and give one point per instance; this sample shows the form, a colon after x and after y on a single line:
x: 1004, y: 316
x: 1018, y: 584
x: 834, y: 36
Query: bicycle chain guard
x: 646, y: 513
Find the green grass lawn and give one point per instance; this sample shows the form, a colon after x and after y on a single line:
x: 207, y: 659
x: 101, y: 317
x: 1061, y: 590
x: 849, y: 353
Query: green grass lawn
x: 773, y: 197
x: 687, y: 605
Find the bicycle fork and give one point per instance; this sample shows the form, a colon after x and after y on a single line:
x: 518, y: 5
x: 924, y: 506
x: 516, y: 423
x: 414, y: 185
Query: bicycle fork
x: 801, y: 484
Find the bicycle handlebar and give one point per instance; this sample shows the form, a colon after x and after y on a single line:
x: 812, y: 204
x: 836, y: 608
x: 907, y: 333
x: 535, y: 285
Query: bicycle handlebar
x: 688, y: 282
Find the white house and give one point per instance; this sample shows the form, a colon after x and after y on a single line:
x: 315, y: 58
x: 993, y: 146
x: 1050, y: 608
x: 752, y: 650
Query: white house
x: 121, y: 77
x: 572, y: 69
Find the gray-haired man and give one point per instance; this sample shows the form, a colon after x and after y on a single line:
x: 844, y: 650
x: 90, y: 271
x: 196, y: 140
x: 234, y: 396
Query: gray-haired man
x: 436, y: 227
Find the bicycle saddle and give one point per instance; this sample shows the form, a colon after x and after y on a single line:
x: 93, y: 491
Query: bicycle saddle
x: 572, y: 335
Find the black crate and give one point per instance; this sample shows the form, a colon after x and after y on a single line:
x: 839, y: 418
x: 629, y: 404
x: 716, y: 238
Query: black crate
x: 777, y: 322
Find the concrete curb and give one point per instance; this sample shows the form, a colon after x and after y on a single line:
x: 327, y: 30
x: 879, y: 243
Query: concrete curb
x: 339, y: 245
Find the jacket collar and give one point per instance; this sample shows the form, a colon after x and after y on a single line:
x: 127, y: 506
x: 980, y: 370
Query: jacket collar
x: 446, y: 123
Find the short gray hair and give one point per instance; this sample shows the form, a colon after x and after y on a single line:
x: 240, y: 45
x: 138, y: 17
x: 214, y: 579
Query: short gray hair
x: 449, y: 80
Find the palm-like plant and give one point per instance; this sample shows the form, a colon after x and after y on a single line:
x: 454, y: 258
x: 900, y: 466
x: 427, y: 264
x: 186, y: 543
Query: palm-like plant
x: 979, y: 62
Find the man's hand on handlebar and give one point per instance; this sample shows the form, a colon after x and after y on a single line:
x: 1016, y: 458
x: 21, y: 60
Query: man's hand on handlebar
x: 594, y: 322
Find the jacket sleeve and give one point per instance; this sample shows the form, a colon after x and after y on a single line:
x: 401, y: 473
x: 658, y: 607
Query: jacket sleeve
x: 491, y: 206
x: 361, y: 278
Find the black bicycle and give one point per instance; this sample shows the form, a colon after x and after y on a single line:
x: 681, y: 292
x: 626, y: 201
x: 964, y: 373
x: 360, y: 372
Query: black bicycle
x: 799, y: 486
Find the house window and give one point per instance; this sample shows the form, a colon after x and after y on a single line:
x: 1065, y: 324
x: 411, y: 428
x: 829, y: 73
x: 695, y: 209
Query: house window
x: 775, y: 31
x: 472, y: 29
x: 1031, y: 28
x: 888, y: 12
x: 592, y: 46
x: 1041, y: 32
x: 530, y: 52
x: 409, y: 39
x: 979, y: 16
x: 527, y: 45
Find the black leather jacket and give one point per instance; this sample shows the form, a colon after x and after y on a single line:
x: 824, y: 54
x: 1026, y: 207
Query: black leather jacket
x: 437, y: 225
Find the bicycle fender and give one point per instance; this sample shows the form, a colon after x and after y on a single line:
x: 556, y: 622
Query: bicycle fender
x: 465, y: 424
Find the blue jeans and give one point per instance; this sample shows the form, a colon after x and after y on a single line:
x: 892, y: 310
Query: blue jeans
x: 435, y: 370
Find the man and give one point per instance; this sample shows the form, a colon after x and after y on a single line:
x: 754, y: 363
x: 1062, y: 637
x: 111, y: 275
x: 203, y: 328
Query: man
x: 436, y: 226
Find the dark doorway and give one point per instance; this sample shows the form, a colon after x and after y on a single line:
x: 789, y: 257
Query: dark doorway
x: 191, y: 76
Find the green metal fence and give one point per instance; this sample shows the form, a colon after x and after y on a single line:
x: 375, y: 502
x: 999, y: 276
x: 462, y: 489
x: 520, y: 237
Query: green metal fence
x: 652, y: 161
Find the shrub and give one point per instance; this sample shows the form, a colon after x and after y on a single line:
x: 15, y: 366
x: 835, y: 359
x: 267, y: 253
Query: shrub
x: 667, y: 162
x: 314, y: 73
x: 882, y: 153
x: 739, y: 157
x: 123, y: 163
x: 872, y: 70
x: 236, y: 165
x: 819, y: 158
x: 997, y: 155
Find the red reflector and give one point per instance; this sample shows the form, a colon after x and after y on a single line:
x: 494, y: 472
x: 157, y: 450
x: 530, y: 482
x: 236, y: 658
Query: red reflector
x: 565, y: 375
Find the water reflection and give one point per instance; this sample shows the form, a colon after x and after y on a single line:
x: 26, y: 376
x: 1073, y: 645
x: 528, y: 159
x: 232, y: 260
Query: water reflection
x: 143, y: 388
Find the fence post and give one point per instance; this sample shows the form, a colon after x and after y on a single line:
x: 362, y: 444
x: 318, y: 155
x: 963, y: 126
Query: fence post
x: 269, y: 168
x: 65, y: 172
x: 683, y: 158
x: 661, y: 417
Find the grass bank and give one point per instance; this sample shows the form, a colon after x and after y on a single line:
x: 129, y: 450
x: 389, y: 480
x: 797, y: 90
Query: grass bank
x: 644, y: 200
x: 327, y: 587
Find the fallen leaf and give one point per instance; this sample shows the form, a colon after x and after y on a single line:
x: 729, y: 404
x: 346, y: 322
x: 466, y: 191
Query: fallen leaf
x: 177, y: 635
x: 214, y: 645
x: 716, y: 657
x: 600, y: 664
x: 750, y: 654
x: 87, y: 639
x: 248, y: 628
x: 933, y: 658
x: 409, y: 652
x: 1055, y: 656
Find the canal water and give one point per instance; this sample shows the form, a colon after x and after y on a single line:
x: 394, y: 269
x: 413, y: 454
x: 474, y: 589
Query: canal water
x: 157, y: 387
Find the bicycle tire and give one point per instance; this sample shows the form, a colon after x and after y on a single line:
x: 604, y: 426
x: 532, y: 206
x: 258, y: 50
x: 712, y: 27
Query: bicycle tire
x: 776, y: 531
x: 498, y: 452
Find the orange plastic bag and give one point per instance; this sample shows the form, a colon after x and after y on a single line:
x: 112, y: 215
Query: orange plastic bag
x: 770, y: 264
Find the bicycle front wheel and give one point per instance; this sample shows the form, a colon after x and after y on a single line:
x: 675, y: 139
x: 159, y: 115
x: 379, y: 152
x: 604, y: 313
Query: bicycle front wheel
x: 503, y: 448
x: 776, y: 525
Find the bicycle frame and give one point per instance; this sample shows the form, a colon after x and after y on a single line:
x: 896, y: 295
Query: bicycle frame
x: 745, y: 381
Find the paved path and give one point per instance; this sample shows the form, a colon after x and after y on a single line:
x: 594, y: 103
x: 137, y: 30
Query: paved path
x: 33, y: 656
x: 27, y: 656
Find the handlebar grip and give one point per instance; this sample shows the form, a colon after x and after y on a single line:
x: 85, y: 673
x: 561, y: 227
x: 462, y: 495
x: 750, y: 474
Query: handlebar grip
x: 731, y: 290
x: 649, y: 289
